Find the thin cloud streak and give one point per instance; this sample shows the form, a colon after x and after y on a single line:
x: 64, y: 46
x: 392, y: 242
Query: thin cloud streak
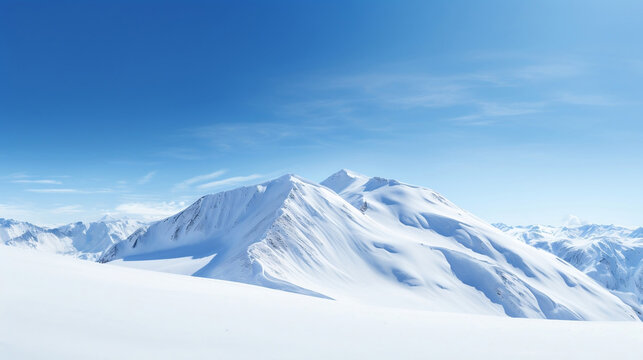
x: 68, y: 209
x: 42, y: 181
x: 10, y: 211
x: 68, y: 191
x: 369, y: 101
x: 54, y: 191
x: 412, y: 91
x: 145, y: 179
x: 200, y: 178
x: 586, y: 99
x: 229, y: 181
x: 491, y: 112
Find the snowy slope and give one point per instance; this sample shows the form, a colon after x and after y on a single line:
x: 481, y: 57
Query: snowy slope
x: 368, y: 239
x: 611, y: 255
x: 54, y: 307
x: 83, y: 240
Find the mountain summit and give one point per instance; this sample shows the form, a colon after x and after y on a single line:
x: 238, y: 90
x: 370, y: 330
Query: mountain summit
x: 367, y: 239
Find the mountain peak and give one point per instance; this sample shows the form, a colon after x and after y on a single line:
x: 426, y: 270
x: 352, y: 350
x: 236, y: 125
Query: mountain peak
x: 573, y: 221
x: 111, y: 218
x: 343, y: 179
x: 7, y: 221
x: 349, y: 173
x: 292, y: 178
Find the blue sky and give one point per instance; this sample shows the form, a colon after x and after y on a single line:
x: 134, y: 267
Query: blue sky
x: 518, y: 112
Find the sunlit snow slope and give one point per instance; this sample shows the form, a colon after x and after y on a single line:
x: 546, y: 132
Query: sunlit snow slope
x: 373, y: 240
x: 612, y: 255
x: 54, y: 307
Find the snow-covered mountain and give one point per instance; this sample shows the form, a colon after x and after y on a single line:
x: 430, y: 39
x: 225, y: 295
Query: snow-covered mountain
x: 10, y: 229
x: 611, y: 255
x: 80, y: 239
x: 372, y: 240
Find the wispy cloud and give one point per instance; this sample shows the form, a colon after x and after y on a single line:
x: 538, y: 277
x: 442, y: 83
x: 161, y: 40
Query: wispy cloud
x: 150, y: 210
x: 229, y: 181
x: 586, y: 99
x: 37, y: 181
x: 491, y: 111
x: 17, y: 212
x: 198, y: 179
x: 68, y: 191
x: 54, y: 191
x: 497, y: 93
x: 335, y: 109
x: 383, y: 106
x: 373, y: 96
x: 229, y: 136
x: 67, y: 209
x: 549, y: 71
x: 405, y: 90
x: 182, y: 153
x: 145, y: 179
x: 308, y: 132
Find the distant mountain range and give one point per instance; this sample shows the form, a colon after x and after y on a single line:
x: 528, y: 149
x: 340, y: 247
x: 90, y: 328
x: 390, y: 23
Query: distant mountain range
x: 83, y: 240
x: 351, y: 237
x: 611, y: 255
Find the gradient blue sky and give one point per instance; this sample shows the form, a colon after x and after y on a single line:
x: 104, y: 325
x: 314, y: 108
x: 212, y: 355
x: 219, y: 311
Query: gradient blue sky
x: 521, y: 112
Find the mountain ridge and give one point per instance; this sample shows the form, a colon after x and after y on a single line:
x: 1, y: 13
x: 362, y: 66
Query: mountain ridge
x: 377, y: 240
x: 84, y: 240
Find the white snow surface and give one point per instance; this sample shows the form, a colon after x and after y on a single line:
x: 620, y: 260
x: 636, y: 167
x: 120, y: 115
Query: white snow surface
x: 371, y: 240
x: 612, y: 255
x: 85, y: 240
x: 55, y: 307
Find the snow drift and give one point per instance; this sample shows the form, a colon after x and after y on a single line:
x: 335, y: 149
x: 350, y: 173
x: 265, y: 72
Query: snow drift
x: 56, y: 307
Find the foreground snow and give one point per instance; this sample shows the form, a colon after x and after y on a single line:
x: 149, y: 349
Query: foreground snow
x: 54, y: 307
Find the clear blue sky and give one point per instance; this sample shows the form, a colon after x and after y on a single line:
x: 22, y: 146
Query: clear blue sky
x: 521, y: 112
